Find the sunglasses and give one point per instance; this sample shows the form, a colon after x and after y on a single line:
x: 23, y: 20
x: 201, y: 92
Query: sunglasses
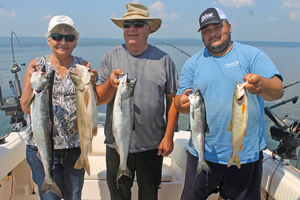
x: 59, y: 37
x: 136, y: 24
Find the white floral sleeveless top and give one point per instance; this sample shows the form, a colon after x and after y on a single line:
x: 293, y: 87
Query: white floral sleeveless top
x: 64, y: 108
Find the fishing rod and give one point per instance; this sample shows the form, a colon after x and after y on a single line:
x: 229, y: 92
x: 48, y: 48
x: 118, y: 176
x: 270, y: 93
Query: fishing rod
x: 173, y: 47
x: 190, y: 56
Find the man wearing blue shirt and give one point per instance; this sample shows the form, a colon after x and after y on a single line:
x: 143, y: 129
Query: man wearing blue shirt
x: 215, y: 71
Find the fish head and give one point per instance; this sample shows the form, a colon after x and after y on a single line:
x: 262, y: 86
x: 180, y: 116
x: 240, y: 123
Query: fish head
x: 80, y: 75
x: 240, y: 93
x: 196, y: 99
x: 39, y: 80
x: 126, y: 87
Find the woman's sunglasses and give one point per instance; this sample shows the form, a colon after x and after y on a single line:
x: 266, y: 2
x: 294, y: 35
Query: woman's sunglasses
x: 136, y: 24
x: 59, y: 37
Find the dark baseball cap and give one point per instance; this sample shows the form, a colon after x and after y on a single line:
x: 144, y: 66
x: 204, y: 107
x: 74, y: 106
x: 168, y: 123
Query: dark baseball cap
x: 211, y: 16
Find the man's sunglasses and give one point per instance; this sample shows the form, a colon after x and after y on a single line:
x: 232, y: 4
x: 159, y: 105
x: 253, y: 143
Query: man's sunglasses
x: 136, y: 24
x: 59, y: 37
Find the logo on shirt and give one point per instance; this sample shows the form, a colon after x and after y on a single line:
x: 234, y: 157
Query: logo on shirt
x: 233, y: 64
x: 207, y: 16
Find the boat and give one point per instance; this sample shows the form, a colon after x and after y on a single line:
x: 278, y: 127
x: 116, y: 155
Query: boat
x: 280, y: 180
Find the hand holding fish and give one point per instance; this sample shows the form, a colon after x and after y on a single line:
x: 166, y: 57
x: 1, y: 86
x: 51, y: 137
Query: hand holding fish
x: 255, y: 83
x: 93, y: 74
x: 33, y: 67
x: 182, y: 102
x: 114, y: 77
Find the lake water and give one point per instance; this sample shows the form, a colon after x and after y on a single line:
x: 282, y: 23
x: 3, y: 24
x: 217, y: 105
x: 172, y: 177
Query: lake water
x: 286, y: 57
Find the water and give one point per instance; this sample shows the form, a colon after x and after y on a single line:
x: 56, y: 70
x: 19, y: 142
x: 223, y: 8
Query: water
x: 286, y: 57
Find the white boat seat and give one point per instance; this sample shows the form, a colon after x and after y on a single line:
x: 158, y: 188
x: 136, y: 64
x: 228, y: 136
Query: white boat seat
x: 98, y: 162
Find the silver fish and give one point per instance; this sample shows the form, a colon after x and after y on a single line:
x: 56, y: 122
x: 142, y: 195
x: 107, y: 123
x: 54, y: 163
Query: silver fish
x: 199, y: 127
x: 41, y: 113
x: 238, y: 123
x: 123, y: 121
x: 87, y: 113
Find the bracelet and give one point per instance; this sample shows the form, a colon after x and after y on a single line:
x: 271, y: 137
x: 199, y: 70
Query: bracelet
x: 94, y: 84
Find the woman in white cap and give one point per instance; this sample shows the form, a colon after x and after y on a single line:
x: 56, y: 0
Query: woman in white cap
x: 62, y: 38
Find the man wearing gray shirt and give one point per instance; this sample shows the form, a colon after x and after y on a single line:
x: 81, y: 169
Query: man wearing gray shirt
x: 151, y: 137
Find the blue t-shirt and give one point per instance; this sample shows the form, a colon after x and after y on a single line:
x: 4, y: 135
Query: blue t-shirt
x: 216, y: 78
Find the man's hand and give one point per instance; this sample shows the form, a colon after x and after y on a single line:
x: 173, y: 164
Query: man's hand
x: 182, y: 102
x: 255, y: 83
x: 165, y: 146
x: 114, y: 77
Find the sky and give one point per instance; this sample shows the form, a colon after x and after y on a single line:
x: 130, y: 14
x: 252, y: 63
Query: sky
x: 251, y: 20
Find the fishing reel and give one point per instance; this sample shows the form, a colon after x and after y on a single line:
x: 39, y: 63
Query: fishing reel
x: 285, y: 130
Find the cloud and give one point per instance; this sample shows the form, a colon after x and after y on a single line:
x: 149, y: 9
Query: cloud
x: 136, y: 1
x: 6, y: 13
x: 47, y: 17
x: 237, y: 3
x: 272, y: 19
x: 114, y: 15
x: 288, y: 5
x: 214, y: 3
x: 158, y: 8
x: 295, y: 15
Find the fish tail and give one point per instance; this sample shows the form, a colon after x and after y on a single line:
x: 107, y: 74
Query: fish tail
x: 79, y: 163
x: 234, y: 159
x: 203, y: 166
x: 121, y: 172
x: 50, y: 185
x: 87, y: 166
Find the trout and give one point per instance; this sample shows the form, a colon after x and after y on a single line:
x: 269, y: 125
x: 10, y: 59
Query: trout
x: 123, y: 122
x: 87, y: 113
x: 41, y: 113
x: 238, y: 123
x: 199, y: 127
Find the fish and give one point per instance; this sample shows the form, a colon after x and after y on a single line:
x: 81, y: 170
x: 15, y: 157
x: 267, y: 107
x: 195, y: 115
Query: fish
x: 122, y: 123
x: 199, y: 128
x: 238, y: 123
x: 86, y: 112
x: 41, y: 112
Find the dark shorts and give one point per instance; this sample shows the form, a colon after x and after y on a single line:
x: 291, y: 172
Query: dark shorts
x: 148, y: 167
x: 232, y: 182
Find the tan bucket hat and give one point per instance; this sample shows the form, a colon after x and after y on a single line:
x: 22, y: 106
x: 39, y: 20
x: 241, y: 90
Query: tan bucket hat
x: 137, y: 11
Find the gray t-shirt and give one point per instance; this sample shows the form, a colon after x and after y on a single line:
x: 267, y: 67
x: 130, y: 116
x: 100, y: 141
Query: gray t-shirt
x: 156, y: 76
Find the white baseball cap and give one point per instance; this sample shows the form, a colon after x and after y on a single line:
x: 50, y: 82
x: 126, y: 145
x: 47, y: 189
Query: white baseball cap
x: 61, y: 19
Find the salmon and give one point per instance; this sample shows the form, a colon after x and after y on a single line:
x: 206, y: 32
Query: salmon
x: 123, y: 122
x: 199, y: 128
x: 238, y: 123
x: 41, y: 113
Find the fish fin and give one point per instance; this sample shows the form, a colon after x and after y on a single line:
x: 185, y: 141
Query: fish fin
x: 31, y: 100
x: 203, y: 166
x: 234, y: 159
x: 95, y: 131
x: 96, y: 97
x: 86, y: 97
x: 241, y: 147
x: 87, y: 166
x: 229, y: 126
x: 207, y: 128
x: 79, y: 164
x: 244, y: 108
x: 90, y: 148
x: 50, y: 185
x: 121, y: 172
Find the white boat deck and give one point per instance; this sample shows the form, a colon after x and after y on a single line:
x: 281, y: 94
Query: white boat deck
x: 283, y: 185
